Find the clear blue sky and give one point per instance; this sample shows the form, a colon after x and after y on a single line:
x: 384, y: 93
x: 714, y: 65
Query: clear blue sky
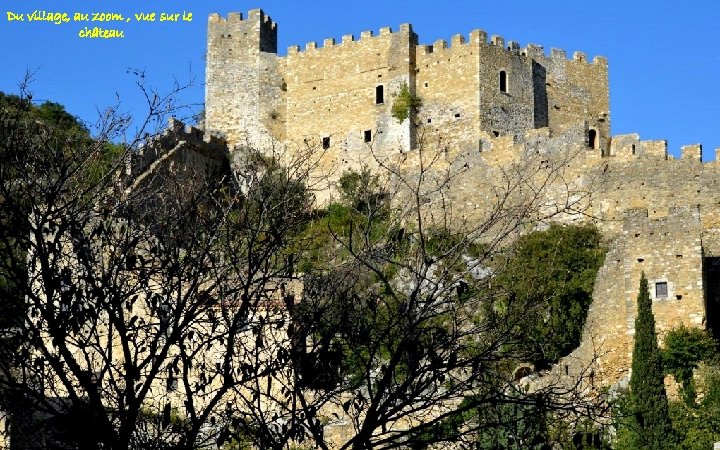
x: 663, y: 56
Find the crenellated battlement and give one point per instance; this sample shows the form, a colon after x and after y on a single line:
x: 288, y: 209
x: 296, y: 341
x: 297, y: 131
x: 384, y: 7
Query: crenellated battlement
x: 367, y: 36
x: 192, y: 146
x: 254, y: 15
x: 213, y: 146
x: 479, y: 37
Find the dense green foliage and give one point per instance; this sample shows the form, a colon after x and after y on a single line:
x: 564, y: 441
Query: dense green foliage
x: 684, y: 349
x: 698, y: 425
x: 404, y: 104
x: 60, y: 130
x: 650, y: 426
x: 552, y: 272
x: 362, y: 192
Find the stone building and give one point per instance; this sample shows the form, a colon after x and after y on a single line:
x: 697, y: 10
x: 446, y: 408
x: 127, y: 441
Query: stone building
x: 485, y: 104
x: 340, y: 95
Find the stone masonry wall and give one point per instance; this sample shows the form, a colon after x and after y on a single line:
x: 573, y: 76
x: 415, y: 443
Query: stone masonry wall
x: 255, y: 97
x: 551, y: 124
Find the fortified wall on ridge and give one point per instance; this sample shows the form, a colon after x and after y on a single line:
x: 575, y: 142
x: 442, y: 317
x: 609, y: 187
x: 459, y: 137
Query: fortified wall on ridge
x: 487, y: 103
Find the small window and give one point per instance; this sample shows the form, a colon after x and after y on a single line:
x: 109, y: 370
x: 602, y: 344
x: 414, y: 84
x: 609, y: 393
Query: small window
x: 496, y: 133
x: 367, y: 135
x: 326, y: 143
x: 592, y: 138
x: 661, y: 289
x: 457, y: 115
x: 379, y: 95
x: 426, y: 85
x: 503, y: 81
x: 429, y: 121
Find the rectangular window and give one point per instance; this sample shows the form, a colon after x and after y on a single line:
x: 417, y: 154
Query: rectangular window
x: 379, y: 95
x: 503, y: 81
x: 661, y: 289
x: 367, y: 135
x: 326, y: 143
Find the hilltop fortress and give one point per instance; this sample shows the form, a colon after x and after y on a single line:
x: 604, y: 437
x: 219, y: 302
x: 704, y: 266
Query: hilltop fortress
x: 340, y: 95
x: 484, y: 104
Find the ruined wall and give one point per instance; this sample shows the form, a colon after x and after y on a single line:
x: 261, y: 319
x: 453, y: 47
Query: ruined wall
x: 180, y: 152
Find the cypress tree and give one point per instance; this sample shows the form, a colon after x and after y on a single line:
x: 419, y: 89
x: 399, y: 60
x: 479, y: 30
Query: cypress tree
x: 647, y: 388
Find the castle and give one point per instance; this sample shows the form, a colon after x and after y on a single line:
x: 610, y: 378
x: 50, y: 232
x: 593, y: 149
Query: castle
x: 480, y: 109
x: 340, y: 95
x: 483, y: 105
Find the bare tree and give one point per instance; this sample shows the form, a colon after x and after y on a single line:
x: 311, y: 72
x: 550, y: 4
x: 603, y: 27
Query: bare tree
x: 170, y: 299
x: 149, y: 301
x: 405, y: 339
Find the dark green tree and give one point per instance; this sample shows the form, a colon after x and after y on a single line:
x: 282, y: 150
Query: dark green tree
x: 552, y: 272
x: 652, y: 428
x: 684, y: 349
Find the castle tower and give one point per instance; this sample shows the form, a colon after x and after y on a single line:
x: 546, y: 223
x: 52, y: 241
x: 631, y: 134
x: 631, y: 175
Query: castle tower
x: 238, y: 94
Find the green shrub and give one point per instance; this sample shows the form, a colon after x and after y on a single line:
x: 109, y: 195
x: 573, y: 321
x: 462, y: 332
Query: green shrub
x: 404, y: 104
x: 684, y: 349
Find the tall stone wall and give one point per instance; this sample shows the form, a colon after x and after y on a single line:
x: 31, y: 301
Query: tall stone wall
x: 342, y: 90
x: 447, y: 82
x: 577, y: 91
x: 548, y: 120
x: 239, y: 51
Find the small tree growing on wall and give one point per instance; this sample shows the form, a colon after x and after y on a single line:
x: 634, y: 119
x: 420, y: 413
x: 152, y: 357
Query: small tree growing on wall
x: 404, y: 104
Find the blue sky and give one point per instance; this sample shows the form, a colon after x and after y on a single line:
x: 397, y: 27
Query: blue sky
x: 663, y: 57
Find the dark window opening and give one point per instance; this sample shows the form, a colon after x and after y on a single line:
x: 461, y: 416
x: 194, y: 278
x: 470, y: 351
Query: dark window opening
x: 503, y: 81
x: 661, y: 289
x: 172, y: 381
x: 640, y: 260
x: 326, y: 143
x: 592, y: 138
x: 679, y: 297
x: 379, y: 95
x: 429, y: 121
x: 633, y: 149
x: 457, y: 115
x: 462, y: 288
x: 496, y: 133
x: 367, y: 135
x: 426, y: 85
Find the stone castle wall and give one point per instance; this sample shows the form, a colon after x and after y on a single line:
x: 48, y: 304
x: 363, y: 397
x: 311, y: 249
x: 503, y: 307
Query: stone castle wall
x: 330, y: 92
x: 549, y: 120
